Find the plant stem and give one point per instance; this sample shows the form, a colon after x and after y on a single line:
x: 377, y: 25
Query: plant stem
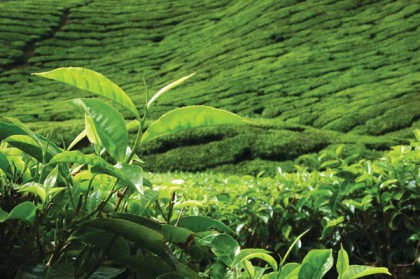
x: 120, y: 198
x: 139, y: 134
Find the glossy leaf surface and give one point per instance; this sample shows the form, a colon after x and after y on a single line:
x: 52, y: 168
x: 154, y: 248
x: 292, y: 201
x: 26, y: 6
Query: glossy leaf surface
x: 167, y: 88
x: 358, y: 271
x: 316, y: 264
x: 24, y: 211
x: 248, y: 254
x: 107, y: 125
x: 187, y: 118
x: 93, y: 82
x: 225, y: 248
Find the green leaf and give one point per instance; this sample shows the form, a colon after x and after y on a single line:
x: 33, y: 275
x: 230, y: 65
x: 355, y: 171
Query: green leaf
x: 225, y: 248
x: 27, y: 145
x: 101, y: 239
x: 134, y: 173
x: 291, y: 247
x: 316, y: 264
x: 79, y: 158
x: 342, y: 263
x: 35, y: 188
x: 178, y: 235
x: 77, y: 139
x: 5, y: 165
x: 93, y: 82
x: 331, y: 224
x: 51, y: 179
x: 36, y: 145
x: 106, y: 272
x: 8, y: 129
x: 144, y: 236
x: 139, y: 206
x: 146, y: 266
x: 91, y: 131
x: 186, y: 118
x: 188, y: 272
x: 167, y: 88
x: 54, y: 191
x: 24, y: 211
x: 358, y: 271
x: 202, y: 224
x: 250, y: 269
x: 108, y: 124
x: 99, y: 165
x: 151, y: 224
x: 248, y: 254
x: 289, y: 271
x: 114, y: 172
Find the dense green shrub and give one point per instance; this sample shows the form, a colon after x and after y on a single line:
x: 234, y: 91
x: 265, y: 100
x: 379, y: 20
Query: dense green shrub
x: 371, y: 207
x: 68, y: 214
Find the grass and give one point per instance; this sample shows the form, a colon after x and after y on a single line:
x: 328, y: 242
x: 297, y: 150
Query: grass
x: 348, y: 72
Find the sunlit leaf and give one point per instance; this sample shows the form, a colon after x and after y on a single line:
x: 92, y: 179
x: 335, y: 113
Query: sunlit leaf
x: 51, y: 178
x: 91, y: 131
x: 190, y: 117
x: 290, y: 271
x: 167, y: 88
x: 316, y: 264
x: 35, y: 188
x: 134, y: 173
x: 291, y: 247
x: 225, y: 248
x: 5, y: 165
x: 107, y: 125
x: 342, y: 263
x: 27, y: 145
x: 178, y: 235
x: 79, y: 158
x: 248, y: 254
x: 24, y: 211
x: 93, y: 82
x: 358, y: 271
x: 331, y: 224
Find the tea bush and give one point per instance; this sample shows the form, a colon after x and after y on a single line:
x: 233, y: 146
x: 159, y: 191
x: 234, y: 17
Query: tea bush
x: 68, y: 214
x: 371, y: 207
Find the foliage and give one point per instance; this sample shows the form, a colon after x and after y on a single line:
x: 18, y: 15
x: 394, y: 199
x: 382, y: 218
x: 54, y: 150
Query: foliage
x: 371, y: 207
x: 351, y: 67
x: 64, y: 213
x: 68, y: 214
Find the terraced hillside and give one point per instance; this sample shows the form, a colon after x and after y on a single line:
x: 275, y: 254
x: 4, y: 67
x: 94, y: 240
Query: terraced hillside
x: 317, y: 73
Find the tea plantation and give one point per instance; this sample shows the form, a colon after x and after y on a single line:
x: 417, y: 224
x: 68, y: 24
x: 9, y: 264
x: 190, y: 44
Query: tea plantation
x: 314, y: 74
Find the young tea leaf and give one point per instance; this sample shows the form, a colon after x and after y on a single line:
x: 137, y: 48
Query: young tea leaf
x: 225, y: 248
x: 342, y: 263
x: 190, y: 117
x: 79, y: 158
x: 248, y: 254
x: 27, y: 145
x: 167, y: 88
x: 93, y: 82
x: 5, y: 165
x: 358, y: 271
x: 35, y: 188
x: 316, y: 264
x: 107, y: 124
x: 24, y: 211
